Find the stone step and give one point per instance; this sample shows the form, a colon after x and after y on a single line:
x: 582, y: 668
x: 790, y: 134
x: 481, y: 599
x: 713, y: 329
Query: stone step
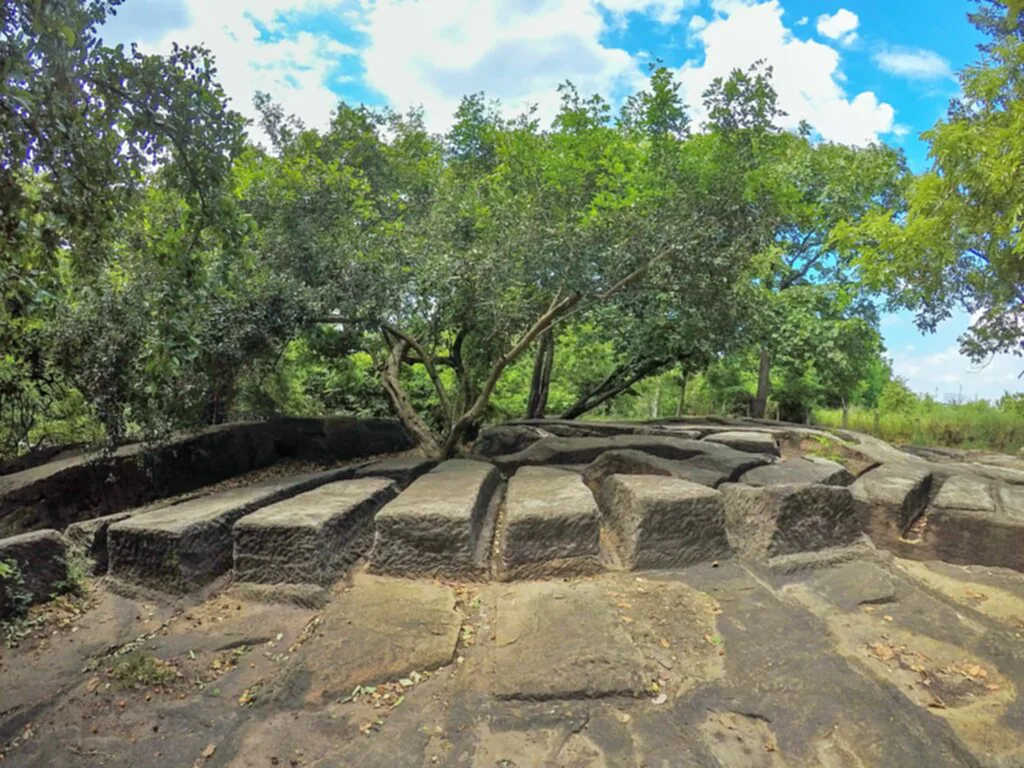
x: 41, y: 560
x: 803, y: 469
x: 311, y: 538
x: 551, y: 527
x: 441, y: 525
x: 889, y: 499
x: 401, y: 470
x: 185, y: 546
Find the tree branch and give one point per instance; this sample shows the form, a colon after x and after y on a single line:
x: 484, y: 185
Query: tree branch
x: 428, y: 363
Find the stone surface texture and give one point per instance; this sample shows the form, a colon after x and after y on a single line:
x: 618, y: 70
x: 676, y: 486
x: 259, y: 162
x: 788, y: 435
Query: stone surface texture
x: 41, y: 559
x: 803, y: 469
x: 90, y: 538
x: 751, y: 442
x: 632, y: 462
x: 889, y: 499
x: 401, y: 470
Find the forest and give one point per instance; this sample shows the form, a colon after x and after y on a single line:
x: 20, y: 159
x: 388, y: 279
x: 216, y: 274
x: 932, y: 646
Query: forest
x: 165, y: 265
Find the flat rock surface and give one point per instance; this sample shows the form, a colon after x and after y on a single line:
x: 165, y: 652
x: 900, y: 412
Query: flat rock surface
x: 751, y: 442
x: 632, y: 462
x: 403, y: 470
x: 966, y: 492
x: 799, y: 470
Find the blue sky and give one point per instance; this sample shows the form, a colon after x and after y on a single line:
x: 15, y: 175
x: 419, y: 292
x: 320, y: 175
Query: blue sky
x: 857, y: 71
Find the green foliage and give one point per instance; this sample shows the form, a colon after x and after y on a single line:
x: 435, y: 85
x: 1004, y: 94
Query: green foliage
x: 14, y: 600
x: 142, y: 669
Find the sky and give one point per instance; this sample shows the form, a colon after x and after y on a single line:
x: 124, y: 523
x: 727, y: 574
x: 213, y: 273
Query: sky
x: 858, y: 71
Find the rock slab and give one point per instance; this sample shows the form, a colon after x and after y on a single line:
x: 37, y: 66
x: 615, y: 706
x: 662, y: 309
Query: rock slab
x: 750, y: 442
x: 805, y: 469
x: 441, y: 525
x: 41, y: 559
x: 786, y: 519
x: 90, y: 538
x: 403, y: 470
x: 552, y: 525
x: 187, y: 545
x: 631, y: 462
x: 663, y: 522
x: 889, y: 499
x: 311, y: 538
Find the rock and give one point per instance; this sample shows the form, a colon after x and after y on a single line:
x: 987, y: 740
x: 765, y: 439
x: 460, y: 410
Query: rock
x: 441, y: 525
x: 630, y: 462
x: 663, y: 522
x: 889, y: 499
x: 403, y: 471
x: 1011, y: 498
x: 562, y: 641
x: 751, y: 442
x: 311, y: 538
x: 965, y: 492
x: 499, y: 441
x: 552, y: 526
x: 786, y: 519
x: 41, y: 558
x: 90, y: 538
x: 804, y: 470
x: 583, y: 450
x: 379, y: 630
x: 187, y: 545
x: 969, y: 537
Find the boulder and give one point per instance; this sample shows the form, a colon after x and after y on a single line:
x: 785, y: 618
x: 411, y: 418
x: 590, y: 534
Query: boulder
x: 663, y: 522
x: 402, y: 470
x: 510, y: 438
x: 441, y: 525
x: 311, y: 538
x: 889, y: 499
x: 751, y: 442
x: 90, y: 538
x: 187, y: 545
x: 41, y: 560
x: 552, y: 525
x: 583, y: 450
x: 806, y: 470
x: 787, y: 519
x: 631, y: 462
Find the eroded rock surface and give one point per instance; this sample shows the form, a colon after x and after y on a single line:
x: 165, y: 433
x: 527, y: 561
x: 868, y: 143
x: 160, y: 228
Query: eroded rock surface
x: 803, y: 470
x: 751, y: 442
x: 633, y: 462
x: 41, y: 561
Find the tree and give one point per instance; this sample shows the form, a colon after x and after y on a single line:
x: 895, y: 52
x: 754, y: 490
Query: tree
x: 957, y: 241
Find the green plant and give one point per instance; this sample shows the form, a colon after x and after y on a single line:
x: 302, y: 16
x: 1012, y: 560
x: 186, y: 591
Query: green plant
x: 14, y: 602
x: 143, y: 669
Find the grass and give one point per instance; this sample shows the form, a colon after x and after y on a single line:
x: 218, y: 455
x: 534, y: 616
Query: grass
x: 977, y: 426
x: 143, y: 669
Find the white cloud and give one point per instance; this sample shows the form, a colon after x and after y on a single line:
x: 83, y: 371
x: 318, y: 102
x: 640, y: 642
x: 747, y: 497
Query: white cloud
x: 663, y: 11
x: 915, y: 64
x: 803, y: 21
x: 806, y: 73
x: 841, y: 26
x: 948, y: 375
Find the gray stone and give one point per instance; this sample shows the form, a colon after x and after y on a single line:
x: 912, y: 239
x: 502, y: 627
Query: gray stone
x: 807, y: 470
x: 403, y: 471
x: 441, y: 525
x: 630, y: 462
x: 562, y: 641
x: 969, y: 537
x: 41, y: 558
x: 889, y: 499
x: 1011, y: 497
x: 965, y: 492
x: 510, y: 438
x: 663, y: 522
x: 187, y: 545
x: 786, y: 519
x: 583, y: 450
x: 90, y: 538
x: 311, y: 538
x: 552, y: 525
x: 751, y: 442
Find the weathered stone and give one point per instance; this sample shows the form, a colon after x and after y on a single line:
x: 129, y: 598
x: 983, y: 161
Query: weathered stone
x: 663, y: 522
x: 965, y: 492
x: 751, y: 442
x: 90, y: 538
x: 402, y: 471
x: 889, y: 499
x: 311, y: 538
x: 441, y: 525
x: 379, y: 630
x: 969, y: 537
x: 806, y: 470
x: 552, y: 525
x: 583, y: 450
x: 630, y: 462
x: 41, y: 558
x: 1011, y: 498
x: 786, y: 519
x: 562, y: 641
x: 187, y: 545
x: 510, y: 438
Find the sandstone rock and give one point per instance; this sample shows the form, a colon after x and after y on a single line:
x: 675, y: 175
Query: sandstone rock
x: 583, y: 450
x: 41, y: 558
x: 965, y: 492
x: 889, y: 499
x: 969, y: 537
x: 751, y: 442
x: 663, y: 522
x: 313, y: 537
x: 510, y: 438
x: 403, y: 471
x: 187, y: 545
x: 1011, y: 498
x: 806, y: 470
x: 441, y: 525
x: 90, y: 538
x: 630, y: 462
x: 786, y: 519
x: 552, y: 525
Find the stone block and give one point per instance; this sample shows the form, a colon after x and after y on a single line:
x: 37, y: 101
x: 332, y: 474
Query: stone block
x: 806, y: 470
x: 41, y: 558
x: 889, y: 499
x: 631, y: 462
x: 750, y: 442
x: 90, y: 538
x: 403, y: 471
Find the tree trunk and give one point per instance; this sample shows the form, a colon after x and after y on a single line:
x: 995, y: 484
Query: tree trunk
x: 617, y: 382
x: 541, y: 381
x: 681, y: 406
x: 846, y: 414
x: 404, y: 408
x: 761, y: 400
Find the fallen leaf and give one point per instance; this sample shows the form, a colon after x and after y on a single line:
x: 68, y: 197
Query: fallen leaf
x: 664, y: 643
x: 975, y: 670
x: 627, y: 619
x: 92, y: 685
x: 887, y: 618
x: 883, y: 651
x: 661, y: 698
x: 208, y: 752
